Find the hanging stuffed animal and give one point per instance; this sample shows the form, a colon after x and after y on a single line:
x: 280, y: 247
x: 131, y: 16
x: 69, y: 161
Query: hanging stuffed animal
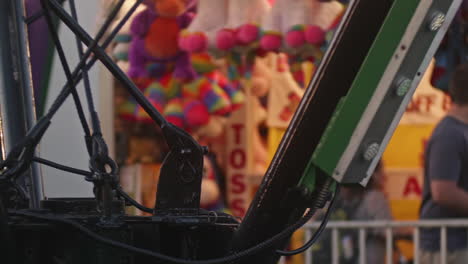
x: 187, y: 89
x: 295, y: 23
x: 154, y: 50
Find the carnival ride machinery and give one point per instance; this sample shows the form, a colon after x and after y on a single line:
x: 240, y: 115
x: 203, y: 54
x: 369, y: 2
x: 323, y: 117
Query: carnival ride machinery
x: 347, y: 115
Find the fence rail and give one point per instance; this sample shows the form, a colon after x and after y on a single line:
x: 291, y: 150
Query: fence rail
x: 389, y: 227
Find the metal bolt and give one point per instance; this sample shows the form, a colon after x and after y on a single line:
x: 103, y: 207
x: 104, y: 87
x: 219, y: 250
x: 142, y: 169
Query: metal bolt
x: 403, y: 86
x: 371, y: 151
x: 185, y: 151
x: 437, y: 21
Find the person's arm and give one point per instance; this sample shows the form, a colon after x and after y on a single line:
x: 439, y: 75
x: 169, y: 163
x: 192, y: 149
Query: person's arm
x: 444, y: 163
x: 447, y: 194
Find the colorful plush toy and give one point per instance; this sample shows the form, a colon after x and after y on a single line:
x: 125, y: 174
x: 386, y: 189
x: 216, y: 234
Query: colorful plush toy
x: 295, y: 23
x: 187, y: 88
x: 154, y: 49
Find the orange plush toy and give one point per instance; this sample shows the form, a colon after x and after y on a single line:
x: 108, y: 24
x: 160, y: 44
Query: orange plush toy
x: 155, y: 31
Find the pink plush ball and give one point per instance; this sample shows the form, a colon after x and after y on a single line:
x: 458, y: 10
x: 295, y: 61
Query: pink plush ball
x: 247, y: 34
x: 197, y: 43
x: 295, y: 38
x: 314, y: 35
x: 196, y: 114
x: 225, y: 39
x: 270, y: 42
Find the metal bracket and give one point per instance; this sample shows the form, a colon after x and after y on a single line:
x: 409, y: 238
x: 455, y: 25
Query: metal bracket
x: 179, y: 185
x: 360, y: 130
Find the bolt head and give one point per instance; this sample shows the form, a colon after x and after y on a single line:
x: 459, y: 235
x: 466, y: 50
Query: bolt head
x: 371, y: 151
x: 437, y: 22
x: 403, y: 87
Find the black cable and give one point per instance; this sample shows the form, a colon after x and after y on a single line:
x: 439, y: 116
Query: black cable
x: 95, y: 123
x: 34, y: 17
x: 61, y: 167
x: 35, y: 134
x: 77, y: 73
x: 236, y: 256
x: 131, y: 201
x: 119, y: 189
x: 41, y: 126
x: 110, y: 65
x: 317, y: 233
x: 66, y: 67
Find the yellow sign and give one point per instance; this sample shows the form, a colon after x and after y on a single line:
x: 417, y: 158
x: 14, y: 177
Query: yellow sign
x: 406, y: 148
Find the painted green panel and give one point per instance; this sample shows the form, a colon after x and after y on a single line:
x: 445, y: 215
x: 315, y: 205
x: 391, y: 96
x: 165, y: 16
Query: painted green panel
x: 347, y: 117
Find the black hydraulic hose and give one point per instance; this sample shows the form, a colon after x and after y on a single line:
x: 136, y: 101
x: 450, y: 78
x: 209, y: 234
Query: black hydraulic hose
x: 133, y: 202
x: 317, y: 233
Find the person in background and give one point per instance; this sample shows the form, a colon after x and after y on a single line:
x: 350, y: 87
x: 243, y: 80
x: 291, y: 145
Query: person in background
x: 445, y: 191
x: 370, y: 204
x: 357, y: 203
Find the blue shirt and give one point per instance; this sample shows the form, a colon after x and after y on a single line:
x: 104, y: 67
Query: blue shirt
x: 446, y: 158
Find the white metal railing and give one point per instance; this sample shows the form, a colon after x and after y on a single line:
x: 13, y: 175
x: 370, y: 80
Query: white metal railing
x: 389, y: 227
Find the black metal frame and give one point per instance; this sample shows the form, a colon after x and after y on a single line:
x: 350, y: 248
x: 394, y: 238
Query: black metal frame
x: 16, y: 105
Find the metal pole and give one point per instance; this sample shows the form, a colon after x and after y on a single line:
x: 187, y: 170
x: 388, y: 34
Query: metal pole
x: 389, y: 244
x: 416, y: 245
x: 443, y: 245
x: 17, y: 111
x: 362, y: 246
x: 335, y: 247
